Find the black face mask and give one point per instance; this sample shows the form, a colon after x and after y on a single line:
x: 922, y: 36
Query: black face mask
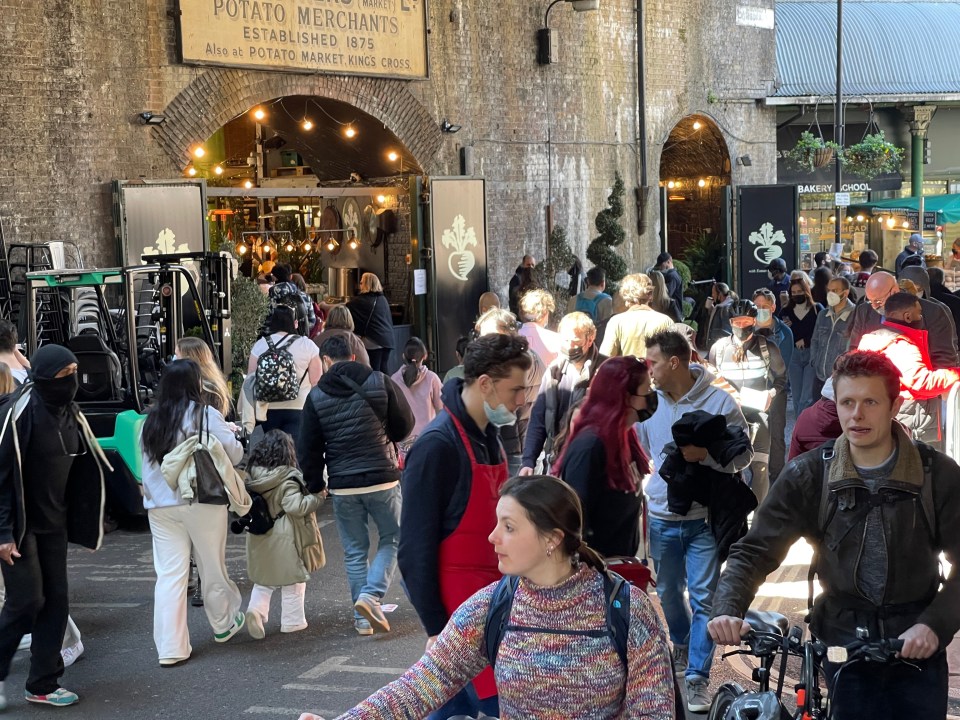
x: 58, y: 392
x: 652, y: 400
x: 742, y: 333
x: 799, y: 299
x: 575, y: 354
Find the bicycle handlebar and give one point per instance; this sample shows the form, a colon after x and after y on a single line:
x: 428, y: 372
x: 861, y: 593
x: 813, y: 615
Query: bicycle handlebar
x: 879, y: 651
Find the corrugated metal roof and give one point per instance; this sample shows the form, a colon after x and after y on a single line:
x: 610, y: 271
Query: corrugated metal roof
x: 889, y: 48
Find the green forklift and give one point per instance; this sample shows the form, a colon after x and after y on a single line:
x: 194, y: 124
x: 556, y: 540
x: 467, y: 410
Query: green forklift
x: 123, y: 325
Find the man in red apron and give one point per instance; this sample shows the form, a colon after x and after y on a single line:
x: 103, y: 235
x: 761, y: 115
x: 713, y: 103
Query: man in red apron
x: 450, y: 483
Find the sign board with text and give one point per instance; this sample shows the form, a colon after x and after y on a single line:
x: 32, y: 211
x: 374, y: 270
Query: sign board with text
x: 768, y: 229
x: 382, y: 38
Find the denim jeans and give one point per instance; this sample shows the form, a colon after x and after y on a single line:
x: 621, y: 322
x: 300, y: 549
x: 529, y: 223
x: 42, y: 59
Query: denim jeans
x: 685, y: 556
x: 286, y: 420
x: 467, y: 703
x: 351, y: 513
x: 801, y: 374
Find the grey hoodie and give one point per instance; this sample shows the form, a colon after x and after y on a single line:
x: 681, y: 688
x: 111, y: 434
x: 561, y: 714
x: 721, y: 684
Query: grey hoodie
x: 656, y: 432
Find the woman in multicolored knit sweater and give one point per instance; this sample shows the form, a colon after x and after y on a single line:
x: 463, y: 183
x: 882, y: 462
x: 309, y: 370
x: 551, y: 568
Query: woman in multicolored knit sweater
x: 551, y: 669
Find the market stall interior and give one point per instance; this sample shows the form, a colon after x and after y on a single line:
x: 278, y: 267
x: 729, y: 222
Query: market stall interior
x: 318, y: 184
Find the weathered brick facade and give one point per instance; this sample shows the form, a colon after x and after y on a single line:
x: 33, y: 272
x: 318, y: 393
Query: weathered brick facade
x: 75, y: 74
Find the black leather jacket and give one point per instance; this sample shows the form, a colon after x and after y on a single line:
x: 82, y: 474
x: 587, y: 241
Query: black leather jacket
x: 791, y: 511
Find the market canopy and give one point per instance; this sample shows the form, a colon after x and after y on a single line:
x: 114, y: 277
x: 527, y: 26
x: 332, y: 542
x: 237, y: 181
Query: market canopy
x: 947, y: 207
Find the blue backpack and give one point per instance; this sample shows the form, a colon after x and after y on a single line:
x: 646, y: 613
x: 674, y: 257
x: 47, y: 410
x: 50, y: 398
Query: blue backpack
x: 588, y: 306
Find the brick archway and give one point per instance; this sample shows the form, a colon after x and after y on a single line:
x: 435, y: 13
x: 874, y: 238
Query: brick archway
x: 218, y: 95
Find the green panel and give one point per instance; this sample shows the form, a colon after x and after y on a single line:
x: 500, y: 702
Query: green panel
x: 82, y: 279
x: 126, y: 441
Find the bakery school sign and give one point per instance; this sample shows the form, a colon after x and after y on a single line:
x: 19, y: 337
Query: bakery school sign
x: 385, y: 38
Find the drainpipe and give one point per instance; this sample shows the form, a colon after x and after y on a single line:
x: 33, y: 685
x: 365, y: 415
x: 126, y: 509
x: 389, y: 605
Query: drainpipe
x: 644, y: 190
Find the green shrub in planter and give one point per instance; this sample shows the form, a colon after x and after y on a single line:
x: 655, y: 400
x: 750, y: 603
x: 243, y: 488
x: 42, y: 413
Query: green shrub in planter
x: 248, y: 306
x: 872, y: 156
x: 812, y: 152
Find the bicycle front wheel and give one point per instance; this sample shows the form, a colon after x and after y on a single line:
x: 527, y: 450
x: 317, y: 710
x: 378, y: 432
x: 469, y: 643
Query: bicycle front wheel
x: 726, y: 694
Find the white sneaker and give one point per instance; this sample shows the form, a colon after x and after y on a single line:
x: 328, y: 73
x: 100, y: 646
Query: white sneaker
x: 25, y: 642
x: 71, y: 654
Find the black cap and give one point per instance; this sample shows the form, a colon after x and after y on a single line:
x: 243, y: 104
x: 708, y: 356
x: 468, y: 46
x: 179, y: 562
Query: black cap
x: 777, y: 265
x: 50, y: 359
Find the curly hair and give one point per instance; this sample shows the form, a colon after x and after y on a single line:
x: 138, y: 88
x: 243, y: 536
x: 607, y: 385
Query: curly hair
x: 535, y: 304
x: 636, y: 289
x: 276, y: 449
x: 867, y: 363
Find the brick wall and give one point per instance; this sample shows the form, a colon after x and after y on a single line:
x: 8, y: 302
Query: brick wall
x: 75, y: 75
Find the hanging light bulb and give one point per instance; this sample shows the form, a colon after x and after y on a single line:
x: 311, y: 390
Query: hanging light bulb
x: 191, y: 171
x: 307, y: 125
x: 860, y: 218
x: 307, y: 247
x: 289, y: 247
x: 832, y: 218
x: 354, y: 243
x: 350, y: 132
x: 671, y: 184
x: 332, y: 245
x: 218, y: 170
x: 392, y: 156
x: 701, y: 183
x: 905, y: 224
x: 381, y: 199
x: 248, y: 184
x: 891, y: 222
x: 259, y: 113
x: 697, y: 124
x: 242, y: 248
x: 198, y: 151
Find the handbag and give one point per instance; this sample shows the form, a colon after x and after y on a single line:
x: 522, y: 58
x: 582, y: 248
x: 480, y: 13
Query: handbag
x: 210, y: 487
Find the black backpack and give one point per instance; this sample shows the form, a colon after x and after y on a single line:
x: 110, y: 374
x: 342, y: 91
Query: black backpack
x: 276, y: 378
x: 615, y: 588
x: 260, y: 520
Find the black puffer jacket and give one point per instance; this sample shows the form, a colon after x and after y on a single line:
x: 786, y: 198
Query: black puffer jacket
x: 791, y: 511
x: 351, y: 436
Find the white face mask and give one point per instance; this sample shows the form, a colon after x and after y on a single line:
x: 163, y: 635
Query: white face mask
x: 833, y: 299
x: 763, y: 316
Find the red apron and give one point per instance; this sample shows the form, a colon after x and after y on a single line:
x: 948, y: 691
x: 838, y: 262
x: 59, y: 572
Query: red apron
x: 467, y: 559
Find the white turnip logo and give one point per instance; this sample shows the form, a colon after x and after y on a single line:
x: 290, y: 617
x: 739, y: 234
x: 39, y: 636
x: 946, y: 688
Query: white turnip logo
x: 767, y: 239
x: 166, y: 245
x: 458, y: 237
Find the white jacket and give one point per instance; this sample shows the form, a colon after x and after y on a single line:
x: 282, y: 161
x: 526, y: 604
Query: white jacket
x: 180, y: 472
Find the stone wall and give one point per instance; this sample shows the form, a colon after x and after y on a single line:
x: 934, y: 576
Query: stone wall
x: 76, y: 74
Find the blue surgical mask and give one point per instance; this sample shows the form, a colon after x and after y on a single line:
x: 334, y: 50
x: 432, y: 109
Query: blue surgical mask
x: 763, y: 317
x: 499, y: 416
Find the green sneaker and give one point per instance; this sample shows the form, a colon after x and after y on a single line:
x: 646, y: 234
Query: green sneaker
x: 58, y: 698
x: 237, y: 626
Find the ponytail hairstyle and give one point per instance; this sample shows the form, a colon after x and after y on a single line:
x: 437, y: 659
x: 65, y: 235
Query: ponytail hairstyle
x: 552, y: 505
x: 414, y: 353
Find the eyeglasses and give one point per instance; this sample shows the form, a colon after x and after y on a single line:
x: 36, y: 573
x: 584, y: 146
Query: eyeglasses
x: 879, y: 302
x: 80, y: 446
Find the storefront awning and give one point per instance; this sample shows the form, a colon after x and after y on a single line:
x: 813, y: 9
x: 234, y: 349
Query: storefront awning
x: 947, y: 207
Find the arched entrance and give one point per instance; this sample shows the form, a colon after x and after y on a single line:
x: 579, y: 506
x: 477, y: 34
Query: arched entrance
x: 694, y: 175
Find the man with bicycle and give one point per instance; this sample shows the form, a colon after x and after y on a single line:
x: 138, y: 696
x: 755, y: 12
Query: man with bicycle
x: 890, y: 506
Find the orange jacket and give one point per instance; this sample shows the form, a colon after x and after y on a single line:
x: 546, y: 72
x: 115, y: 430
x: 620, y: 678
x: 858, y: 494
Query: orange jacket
x: 907, y: 348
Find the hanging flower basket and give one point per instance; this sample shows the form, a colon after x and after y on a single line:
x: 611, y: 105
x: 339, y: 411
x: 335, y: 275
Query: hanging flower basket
x: 811, y: 152
x: 872, y: 156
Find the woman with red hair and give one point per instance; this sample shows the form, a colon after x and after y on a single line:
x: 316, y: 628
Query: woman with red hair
x: 603, y: 460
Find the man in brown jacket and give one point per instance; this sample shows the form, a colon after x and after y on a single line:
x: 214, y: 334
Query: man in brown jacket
x: 892, y: 505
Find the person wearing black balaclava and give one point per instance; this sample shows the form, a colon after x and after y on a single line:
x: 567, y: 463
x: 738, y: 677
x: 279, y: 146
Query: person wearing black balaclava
x: 754, y: 366
x: 51, y: 491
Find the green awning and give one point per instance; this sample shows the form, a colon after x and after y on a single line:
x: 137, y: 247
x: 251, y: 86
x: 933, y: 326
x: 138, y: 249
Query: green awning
x: 947, y: 207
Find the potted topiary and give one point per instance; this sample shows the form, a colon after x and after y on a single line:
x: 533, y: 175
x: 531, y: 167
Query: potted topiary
x: 872, y: 156
x: 812, y: 151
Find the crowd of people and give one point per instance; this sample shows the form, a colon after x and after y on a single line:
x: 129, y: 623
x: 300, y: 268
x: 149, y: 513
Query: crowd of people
x: 561, y: 440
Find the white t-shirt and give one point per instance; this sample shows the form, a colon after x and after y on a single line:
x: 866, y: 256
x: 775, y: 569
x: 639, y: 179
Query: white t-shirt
x: 303, y: 350
x: 19, y: 374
